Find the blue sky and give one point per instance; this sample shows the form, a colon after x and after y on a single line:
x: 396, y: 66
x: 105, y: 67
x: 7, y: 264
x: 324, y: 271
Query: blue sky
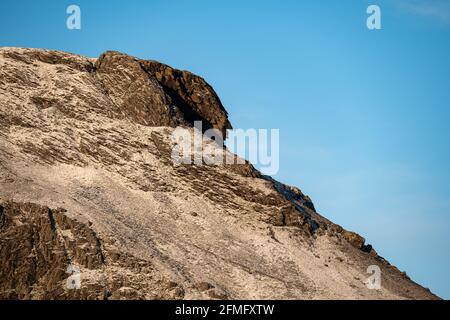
x: 363, y: 115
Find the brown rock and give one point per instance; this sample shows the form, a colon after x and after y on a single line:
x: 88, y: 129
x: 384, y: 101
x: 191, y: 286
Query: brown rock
x: 203, y: 286
x: 151, y: 93
x: 355, y: 239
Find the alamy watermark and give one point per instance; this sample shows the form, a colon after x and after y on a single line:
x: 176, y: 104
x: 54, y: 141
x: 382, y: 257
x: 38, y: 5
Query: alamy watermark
x: 373, y: 282
x: 73, y: 282
x: 260, y: 147
x: 73, y: 22
x: 374, y: 20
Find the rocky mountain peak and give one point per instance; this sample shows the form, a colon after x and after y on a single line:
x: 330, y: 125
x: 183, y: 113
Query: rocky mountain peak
x: 155, y: 94
x: 87, y: 184
x: 145, y: 91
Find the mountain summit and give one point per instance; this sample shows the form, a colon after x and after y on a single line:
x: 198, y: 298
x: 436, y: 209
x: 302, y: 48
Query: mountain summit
x: 92, y: 207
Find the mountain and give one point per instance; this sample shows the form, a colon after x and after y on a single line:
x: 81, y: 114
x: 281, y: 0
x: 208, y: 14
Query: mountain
x: 93, y: 207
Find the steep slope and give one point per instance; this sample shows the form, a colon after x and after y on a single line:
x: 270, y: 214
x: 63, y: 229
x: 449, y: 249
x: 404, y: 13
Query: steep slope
x: 87, y: 181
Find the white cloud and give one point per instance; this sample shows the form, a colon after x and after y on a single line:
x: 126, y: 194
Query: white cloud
x: 436, y: 9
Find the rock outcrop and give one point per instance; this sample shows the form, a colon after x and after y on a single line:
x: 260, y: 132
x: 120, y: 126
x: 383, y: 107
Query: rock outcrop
x: 87, y: 181
x: 40, y: 249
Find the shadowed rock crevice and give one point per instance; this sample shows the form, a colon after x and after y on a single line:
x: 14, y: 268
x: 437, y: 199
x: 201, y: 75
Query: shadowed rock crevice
x: 197, y: 99
x: 188, y: 114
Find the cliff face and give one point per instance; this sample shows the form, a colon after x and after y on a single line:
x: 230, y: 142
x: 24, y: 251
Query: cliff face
x: 87, y: 182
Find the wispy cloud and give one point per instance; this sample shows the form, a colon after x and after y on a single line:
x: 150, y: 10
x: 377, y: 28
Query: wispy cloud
x: 435, y: 9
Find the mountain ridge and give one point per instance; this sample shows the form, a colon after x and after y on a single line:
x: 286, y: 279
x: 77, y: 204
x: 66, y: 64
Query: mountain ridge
x: 85, y: 164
